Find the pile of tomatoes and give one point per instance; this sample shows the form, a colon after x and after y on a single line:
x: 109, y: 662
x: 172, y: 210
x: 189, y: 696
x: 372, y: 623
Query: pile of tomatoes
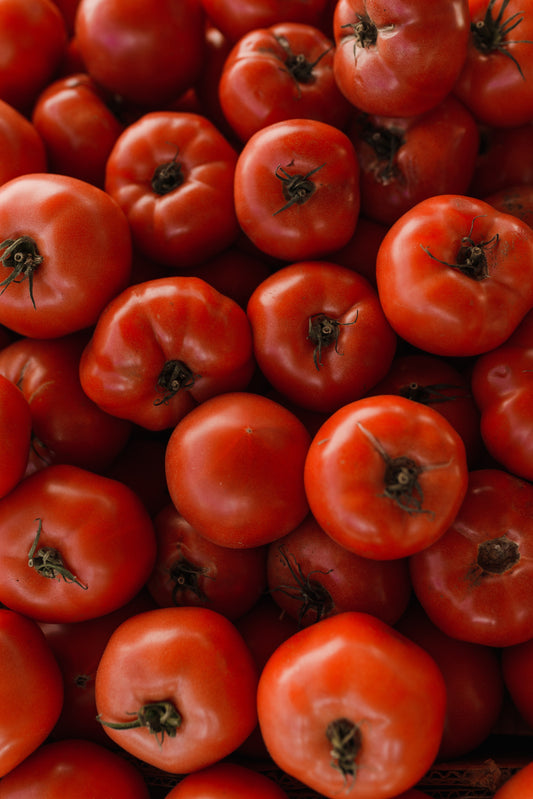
x: 266, y: 394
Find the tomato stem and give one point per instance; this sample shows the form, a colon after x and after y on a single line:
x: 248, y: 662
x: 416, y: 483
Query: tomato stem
x: 297, y: 65
x: 313, y: 596
x: 22, y: 256
x: 185, y: 577
x: 174, y: 376
x: 324, y: 331
x: 160, y: 718
x: 432, y: 393
x: 48, y: 562
x: 364, y: 31
x: 297, y: 189
x: 385, y: 143
x: 471, y: 257
x: 346, y: 740
x: 489, y: 33
x: 168, y: 176
x: 497, y: 555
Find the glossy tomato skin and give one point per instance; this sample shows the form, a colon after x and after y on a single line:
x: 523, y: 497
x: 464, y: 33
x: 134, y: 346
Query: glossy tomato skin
x: 71, y: 522
x: 204, y: 669
x: 147, y: 54
x: 236, y: 18
x: 84, y: 241
x: 296, y: 189
x: 475, y: 582
x: 278, y: 73
x: 352, y: 674
x: 15, y: 434
x: 163, y: 346
x: 31, y: 692
x: 380, y: 65
x: 227, y: 779
x: 408, y: 482
x: 245, y: 453
x: 23, y: 149
x: 439, y: 292
x: 320, y: 336
x: 172, y: 174
x: 74, y: 769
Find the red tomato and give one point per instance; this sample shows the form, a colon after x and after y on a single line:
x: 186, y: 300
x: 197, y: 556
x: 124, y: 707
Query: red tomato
x: 516, y: 200
x: 348, y: 706
x: 380, y: 65
x: 163, y: 346
x: 455, y: 276
x: 31, y: 692
x: 75, y: 545
x: 297, y: 189
x: 192, y: 697
x: 22, y: 147
x: 517, y: 662
x: 235, y: 18
x: 234, y: 469
x: 385, y: 476
x: 172, y: 174
x: 495, y: 82
x: 15, y: 434
x: 66, y: 251
x: 361, y: 251
x: 475, y: 582
x: 149, y: 54
x: 519, y: 785
x: 278, y: 73
x: 320, y: 336
x: 227, y: 779
x: 74, y: 769
x: 505, y: 159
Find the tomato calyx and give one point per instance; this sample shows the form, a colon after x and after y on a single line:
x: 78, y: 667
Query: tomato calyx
x: 324, y: 331
x: 185, y: 577
x: 471, y: 256
x: 489, y: 34
x: 167, y: 176
x: 495, y: 556
x: 364, y: 31
x: 297, y: 65
x: 174, y: 376
x: 297, y: 189
x: 48, y: 562
x: 313, y: 596
x: 346, y: 740
x: 160, y: 718
x: 385, y: 144
x: 23, y: 257
x: 430, y: 394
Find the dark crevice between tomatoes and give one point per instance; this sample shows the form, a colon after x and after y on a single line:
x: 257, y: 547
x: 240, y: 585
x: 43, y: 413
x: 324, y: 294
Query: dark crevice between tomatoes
x: 385, y: 143
x: 297, y: 189
x: 23, y: 257
x: 168, y: 176
x: 364, y: 31
x: 433, y: 393
x: 48, y: 562
x: 174, y: 376
x: 489, y: 34
x: 471, y: 256
x: 323, y: 331
x: 495, y: 556
x: 297, y: 65
x: 345, y: 739
x: 160, y: 718
x: 185, y: 576
x: 314, y: 598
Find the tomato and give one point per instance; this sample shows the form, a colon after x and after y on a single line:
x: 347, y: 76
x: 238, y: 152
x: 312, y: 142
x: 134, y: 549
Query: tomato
x: 517, y: 661
x: 475, y: 582
x: 397, y: 157
x: 66, y: 251
x: 66, y: 425
x: 23, y: 149
x: 191, y: 570
x: 297, y: 189
x: 74, y: 769
x: 505, y: 159
x: 385, y: 476
x: 15, y: 434
x: 495, y: 80
x: 380, y: 65
x: 311, y: 577
x: 455, y: 276
x: 350, y: 707
x: 517, y: 785
x: 31, y: 689
x: 319, y: 334
x: 278, y: 73
x: 235, y: 18
x: 75, y: 545
x: 361, y: 251
x: 147, y: 54
x: 227, y: 779
x: 163, y: 346
x: 172, y: 174
x: 192, y: 697
x: 516, y: 200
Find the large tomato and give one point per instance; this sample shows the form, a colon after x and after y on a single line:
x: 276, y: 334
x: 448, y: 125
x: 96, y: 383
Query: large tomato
x: 223, y: 779
x: 519, y: 785
x: 351, y: 708
x: 235, y: 18
x: 23, y: 149
x: 15, y: 434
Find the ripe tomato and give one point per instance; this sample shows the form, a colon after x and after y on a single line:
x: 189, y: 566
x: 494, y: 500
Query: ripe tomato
x: 235, y: 18
x: 319, y: 334
x: 505, y: 159
x: 380, y: 65
x: 22, y: 147
x: 519, y: 785
x: 516, y: 200
x: 227, y: 779
x: 350, y: 707
x: 66, y: 251
x: 385, y: 476
x: 15, y: 434
x: 517, y: 662
x: 297, y: 189
x: 475, y: 582
x: 74, y: 545
x: 455, y: 276
x: 31, y: 689
x: 184, y: 704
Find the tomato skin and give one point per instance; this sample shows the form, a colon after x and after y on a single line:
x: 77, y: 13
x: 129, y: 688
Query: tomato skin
x: 280, y: 158
x: 320, y: 374
x: 516, y: 200
x: 92, y: 522
x: 518, y: 785
x: 357, y: 507
x: 436, y: 306
x: 74, y: 769
x: 505, y: 159
x: 154, y: 325
x: 475, y: 582
x: 516, y: 668
x: 23, y: 149
x: 393, y: 75
x: 236, y: 18
x: 28, y: 712
x: 227, y: 779
x: 15, y: 434
x: 352, y: 667
x: 246, y: 453
x: 204, y: 669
